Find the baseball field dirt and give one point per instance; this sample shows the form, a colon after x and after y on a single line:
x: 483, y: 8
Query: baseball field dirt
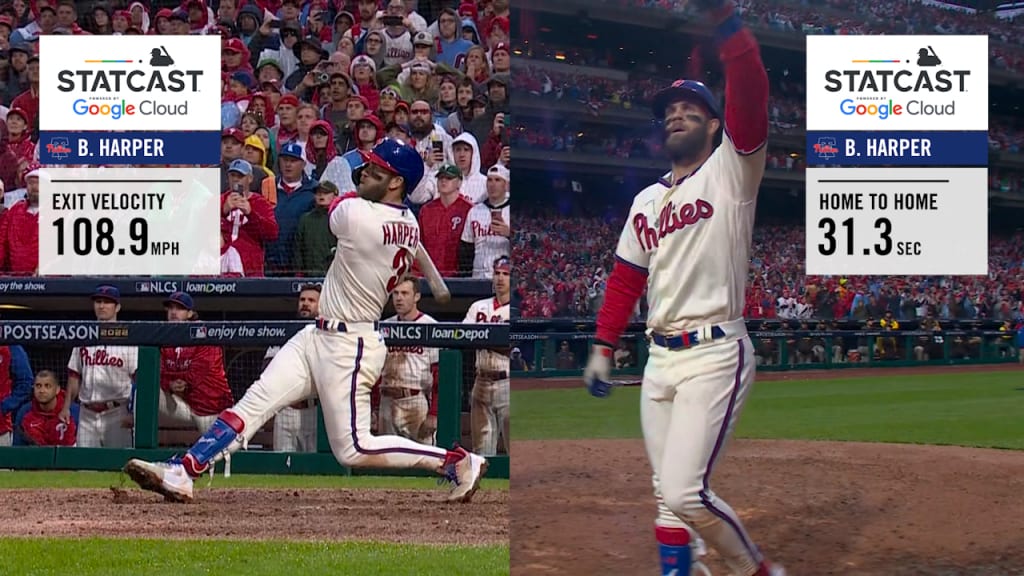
x: 398, y: 516
x: 820, y: 508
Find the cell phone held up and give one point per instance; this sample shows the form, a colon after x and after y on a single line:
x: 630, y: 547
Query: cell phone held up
x: 391, y: 20
x: 437, y: 146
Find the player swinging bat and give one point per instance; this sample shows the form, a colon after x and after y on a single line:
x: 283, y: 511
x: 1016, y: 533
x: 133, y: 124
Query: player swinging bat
x: 687, y: 239
x: 342, y: 355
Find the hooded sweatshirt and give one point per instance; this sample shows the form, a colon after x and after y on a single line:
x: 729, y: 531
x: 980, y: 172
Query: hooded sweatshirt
x: 331, y: 167
x: 474, y: 184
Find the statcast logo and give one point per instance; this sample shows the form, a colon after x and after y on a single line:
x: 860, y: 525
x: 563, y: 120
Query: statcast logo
x: 102, y: 87
x: 871, y: 86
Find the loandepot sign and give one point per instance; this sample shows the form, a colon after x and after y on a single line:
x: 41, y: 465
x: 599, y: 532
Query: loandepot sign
x: 897, y: 83
x: 129, y: 83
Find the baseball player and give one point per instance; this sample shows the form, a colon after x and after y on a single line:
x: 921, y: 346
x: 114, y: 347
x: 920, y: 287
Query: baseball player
x: 102, y: 378
x: 488, y: 231
x: 489, y: 409
x: 342, y: 354
x: 295, y: 424
x: 410, y: 374
x: 687, y: 238
x: 193, y: 385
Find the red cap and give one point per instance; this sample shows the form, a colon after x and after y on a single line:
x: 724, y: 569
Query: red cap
x: 7, y: 20
x: 501, y: 46
x: 234, y: 45
x: 234, y: 133
x: 288, y: 100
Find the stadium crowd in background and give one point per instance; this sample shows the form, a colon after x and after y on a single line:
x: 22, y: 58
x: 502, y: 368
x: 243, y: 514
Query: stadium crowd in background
x: 307, y: 85
x: 564, y: 264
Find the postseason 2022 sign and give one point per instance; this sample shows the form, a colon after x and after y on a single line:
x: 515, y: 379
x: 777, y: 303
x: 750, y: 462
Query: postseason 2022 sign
x: 897, y: 149
x: 129, y: 83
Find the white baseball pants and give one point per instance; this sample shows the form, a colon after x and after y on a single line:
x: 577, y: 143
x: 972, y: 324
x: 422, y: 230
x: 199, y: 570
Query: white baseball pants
x: 103, y: 429
x: 295, y: 430
x: 489, y: 415
x: 341, y: 368
x: 690, y: 402
x: 174, y: 407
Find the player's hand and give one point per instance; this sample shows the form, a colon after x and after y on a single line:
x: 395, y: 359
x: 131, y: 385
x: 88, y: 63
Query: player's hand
x: 429, y: 426
x: 597, y: 374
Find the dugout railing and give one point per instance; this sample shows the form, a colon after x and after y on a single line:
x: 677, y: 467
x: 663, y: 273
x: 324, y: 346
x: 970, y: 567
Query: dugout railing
x: 456, y: 341
x: 561, y: 353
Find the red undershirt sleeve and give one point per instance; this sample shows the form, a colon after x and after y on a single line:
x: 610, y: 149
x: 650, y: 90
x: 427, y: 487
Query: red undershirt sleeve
x: 625, y: 286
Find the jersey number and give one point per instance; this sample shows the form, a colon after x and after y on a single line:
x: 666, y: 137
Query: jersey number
x: 401, y: 265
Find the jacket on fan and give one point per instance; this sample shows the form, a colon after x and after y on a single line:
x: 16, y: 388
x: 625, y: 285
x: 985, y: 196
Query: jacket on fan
x: 19, y: 240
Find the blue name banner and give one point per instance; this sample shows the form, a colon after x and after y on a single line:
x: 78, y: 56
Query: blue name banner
x: 847, y: 148
x: 135, y: 148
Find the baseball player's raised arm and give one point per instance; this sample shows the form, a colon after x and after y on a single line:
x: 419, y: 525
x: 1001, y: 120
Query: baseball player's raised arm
x: 627, y: 280
x: 746, y: 81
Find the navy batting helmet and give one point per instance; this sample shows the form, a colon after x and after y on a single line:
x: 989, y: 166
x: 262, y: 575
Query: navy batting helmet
x: 691, y: 90
x: 398, y: 158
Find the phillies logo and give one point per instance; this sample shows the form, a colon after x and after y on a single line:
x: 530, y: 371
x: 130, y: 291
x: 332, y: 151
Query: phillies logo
x: 483, y: 318
x: 670, y: 220
x: 100, y: 358
x: 456, y: 222
x: 482, y: 230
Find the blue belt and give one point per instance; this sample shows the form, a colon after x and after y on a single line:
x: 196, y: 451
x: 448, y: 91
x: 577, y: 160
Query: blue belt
x: 686, y: 339
x: 332, y: 326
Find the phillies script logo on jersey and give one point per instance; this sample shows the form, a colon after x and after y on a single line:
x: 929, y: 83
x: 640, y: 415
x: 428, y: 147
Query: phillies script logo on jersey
x: 100, y: 358
x: 482, y: 229
x: 401, y: 234
x: 670, y: 220
x: 483, y: 318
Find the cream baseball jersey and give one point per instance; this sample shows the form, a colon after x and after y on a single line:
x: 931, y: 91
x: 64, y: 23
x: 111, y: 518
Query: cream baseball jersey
x: 488, y: 245
x: 105, y: 373
x: 693, y: 239
x: 409, y: 366
x: 489, y: 311
x: 376, y: 246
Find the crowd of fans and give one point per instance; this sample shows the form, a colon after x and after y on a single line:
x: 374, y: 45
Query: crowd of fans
x: 871, y: 17
x: 565, y: 263
x: 307, y: 85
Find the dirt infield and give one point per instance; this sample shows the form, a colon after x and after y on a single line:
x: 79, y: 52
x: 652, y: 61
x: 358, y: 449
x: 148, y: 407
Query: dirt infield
x: 820, y: 508
x: 851, y: 509
x: 399, y: 516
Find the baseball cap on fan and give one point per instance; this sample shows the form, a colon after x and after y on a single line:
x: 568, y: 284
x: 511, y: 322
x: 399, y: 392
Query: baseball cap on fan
x: 241, y: 166
x: 502, y: 263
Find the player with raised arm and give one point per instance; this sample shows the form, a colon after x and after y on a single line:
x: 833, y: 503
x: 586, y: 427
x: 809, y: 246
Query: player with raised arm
x: 342, y: 355
x: 687, y: 238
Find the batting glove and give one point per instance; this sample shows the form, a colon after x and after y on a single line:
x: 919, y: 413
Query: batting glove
x: 597, y: 374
